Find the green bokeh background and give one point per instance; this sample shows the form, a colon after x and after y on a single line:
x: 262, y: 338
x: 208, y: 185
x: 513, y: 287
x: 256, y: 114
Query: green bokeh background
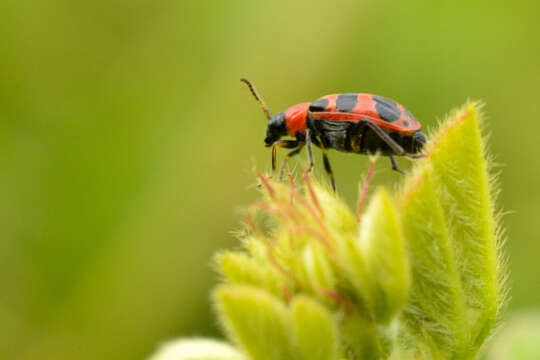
x: 127, y: 143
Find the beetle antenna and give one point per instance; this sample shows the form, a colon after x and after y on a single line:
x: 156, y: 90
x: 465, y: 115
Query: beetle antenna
x: 257, y: 98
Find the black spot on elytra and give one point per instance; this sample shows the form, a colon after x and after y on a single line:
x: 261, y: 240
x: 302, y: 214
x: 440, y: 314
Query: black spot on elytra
x: 406, y: 123
x: 387, y: 109
x: 346, y: 102
x: 319, y: 105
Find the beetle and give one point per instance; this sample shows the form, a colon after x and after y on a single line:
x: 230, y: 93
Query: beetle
x: 355, y: 123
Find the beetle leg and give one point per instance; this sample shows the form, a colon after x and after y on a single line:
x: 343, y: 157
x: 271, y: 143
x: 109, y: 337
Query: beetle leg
x: 386, y: 138
x: 288, y: 144
x: 309, y: 150
x: 415, y: 156
x: 327, y: 165
x: 287, y: 157
x: 394, y: 165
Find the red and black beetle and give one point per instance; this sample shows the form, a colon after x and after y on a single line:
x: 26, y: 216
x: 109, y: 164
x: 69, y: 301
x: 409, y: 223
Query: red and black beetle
x: 357, y: 123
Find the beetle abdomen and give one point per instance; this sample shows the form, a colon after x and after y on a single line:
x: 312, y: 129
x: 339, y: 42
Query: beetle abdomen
x: 355, y: 137
x: 333, y: 134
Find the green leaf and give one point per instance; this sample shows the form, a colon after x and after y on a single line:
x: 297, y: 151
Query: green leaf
x: 463, y: 184
x: 437, y: 300
x: 450, y: 225
x: 316, y: 331
x: 259, y: 322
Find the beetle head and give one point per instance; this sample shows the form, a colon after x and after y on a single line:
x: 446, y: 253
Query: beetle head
x: 419, y: 140
x: 277, y: 127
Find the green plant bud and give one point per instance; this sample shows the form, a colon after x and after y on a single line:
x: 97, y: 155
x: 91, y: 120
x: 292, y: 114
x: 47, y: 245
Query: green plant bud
x: 257, y: 321
x: 361, y: 339
x: 256, y: 248
x: 239, y: 268
x: 351, y: 262
x: 339, y: 219
x: 382, y: 248
x: 317, y: 269
x: 316, y: 331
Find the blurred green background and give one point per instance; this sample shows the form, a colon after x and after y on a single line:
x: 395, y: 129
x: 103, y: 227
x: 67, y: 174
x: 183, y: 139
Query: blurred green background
x: 127, y: 143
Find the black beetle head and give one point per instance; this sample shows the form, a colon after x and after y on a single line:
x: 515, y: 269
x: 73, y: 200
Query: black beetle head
x: 277, y: 127
x: 419, y: 140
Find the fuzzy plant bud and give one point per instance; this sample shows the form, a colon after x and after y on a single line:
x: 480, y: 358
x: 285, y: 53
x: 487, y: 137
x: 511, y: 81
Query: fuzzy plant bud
x: 415, y: 275
x: 258, y: 322
x: 317, y: 269
x: 382, y: 247
x: 316, y: 331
